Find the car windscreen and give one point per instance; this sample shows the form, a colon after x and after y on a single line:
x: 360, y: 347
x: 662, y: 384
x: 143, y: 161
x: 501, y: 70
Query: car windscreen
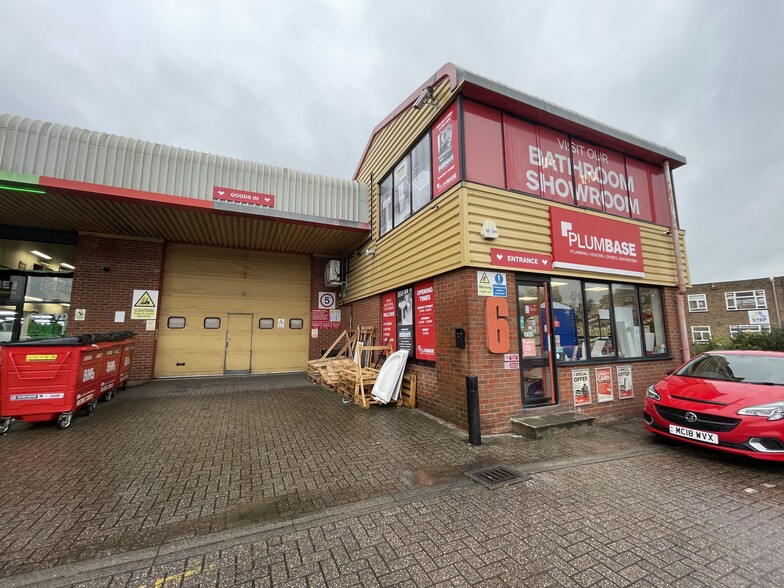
x: 748, y: 368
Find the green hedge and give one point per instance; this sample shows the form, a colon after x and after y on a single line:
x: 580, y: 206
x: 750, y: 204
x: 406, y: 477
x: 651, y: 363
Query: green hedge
x: 772, y: 340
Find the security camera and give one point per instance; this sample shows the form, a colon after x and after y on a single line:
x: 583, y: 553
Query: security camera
x: 426, y: 97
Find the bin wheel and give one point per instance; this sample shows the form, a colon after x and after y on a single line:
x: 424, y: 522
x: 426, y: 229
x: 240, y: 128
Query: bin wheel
x: 108, y: 396
x: 90, y: 407
x: 64, y: 420
x: 4, y: 424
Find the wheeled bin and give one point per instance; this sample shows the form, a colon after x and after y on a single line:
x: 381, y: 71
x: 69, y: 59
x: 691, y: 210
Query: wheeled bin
x: 50, y: 379
x: 128, y: 345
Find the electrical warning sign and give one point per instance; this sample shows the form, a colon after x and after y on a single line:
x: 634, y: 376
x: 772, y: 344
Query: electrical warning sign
x: 145, y: 304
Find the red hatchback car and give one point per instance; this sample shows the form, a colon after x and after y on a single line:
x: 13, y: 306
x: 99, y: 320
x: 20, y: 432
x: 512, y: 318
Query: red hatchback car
x: 727, y: 400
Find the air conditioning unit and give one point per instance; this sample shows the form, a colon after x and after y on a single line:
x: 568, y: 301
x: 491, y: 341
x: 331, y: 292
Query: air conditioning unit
x: 332, y: 273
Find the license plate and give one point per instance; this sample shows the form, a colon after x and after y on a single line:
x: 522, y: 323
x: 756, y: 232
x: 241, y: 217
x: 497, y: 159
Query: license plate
x: 694, y: 434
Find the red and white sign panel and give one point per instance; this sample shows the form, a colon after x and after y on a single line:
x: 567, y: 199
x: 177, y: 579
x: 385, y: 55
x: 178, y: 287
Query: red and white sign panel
x: 586, y: 242
x: 322, y: 319
x: 446, y: 155
x: 425, y: 320
x: 520, y: 259
x: 389, y: 319
x: 232, y: 195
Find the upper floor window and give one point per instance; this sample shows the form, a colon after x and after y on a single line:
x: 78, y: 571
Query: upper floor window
x: 746, y: 300
x: 698, y: 303
x: 407, y: 189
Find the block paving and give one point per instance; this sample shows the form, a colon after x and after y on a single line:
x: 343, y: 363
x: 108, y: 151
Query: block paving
x: 273, y: 481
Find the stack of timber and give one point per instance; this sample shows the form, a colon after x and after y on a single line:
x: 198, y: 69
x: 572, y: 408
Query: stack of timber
x: 324, y: 370
x: 353, y: 370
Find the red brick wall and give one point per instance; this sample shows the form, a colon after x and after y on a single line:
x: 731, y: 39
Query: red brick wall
x: 441, y: 389
x: 107, y: 272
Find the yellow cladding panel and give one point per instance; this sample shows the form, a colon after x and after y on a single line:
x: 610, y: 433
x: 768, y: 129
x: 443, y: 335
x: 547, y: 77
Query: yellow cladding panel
x: 427, y: 244
x: 524, y: 225
x: 204, y: 282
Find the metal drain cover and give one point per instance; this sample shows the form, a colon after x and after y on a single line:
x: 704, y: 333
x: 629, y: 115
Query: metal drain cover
x: 495, y: 476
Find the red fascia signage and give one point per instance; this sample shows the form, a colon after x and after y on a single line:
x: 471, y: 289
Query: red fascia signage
x: 389, y: 320
x: 591, y: 243
x: 425, y: 320
x: 446, y: 152
x: 232, y: 195
x: 520, y: 259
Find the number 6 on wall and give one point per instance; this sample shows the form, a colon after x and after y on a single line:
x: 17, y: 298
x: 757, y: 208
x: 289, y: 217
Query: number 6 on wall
x: 496, y: 325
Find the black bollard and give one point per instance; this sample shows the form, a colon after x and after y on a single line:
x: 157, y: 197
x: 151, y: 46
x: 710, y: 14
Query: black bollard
x: 472, y: 395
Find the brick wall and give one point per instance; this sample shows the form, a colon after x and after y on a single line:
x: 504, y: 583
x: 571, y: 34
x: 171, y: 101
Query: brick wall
x: 719, y: 319
x: 108, y: 271
x: 441, y: 389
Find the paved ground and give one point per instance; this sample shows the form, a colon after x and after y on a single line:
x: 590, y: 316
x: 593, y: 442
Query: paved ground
x: 273, y: 481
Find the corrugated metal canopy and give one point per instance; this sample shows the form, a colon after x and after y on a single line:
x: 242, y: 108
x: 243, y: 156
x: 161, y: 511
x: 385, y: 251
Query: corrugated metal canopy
x: 68, y: 210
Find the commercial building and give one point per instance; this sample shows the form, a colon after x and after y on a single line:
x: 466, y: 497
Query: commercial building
x: 488, y: 232
x: 722, y: 310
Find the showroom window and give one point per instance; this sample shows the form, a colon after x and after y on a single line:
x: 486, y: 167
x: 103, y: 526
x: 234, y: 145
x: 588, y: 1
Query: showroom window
x: 746, y: 300
x: 595, y: 320
x: 700, y: 334
x: 698, y: 303
x: 407, y: 189
x: 736, y: 330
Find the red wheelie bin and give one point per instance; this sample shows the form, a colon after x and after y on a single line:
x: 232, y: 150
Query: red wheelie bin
x: 126, y: 360
x: 50, y: 379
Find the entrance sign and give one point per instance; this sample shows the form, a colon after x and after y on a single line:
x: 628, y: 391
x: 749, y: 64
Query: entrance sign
x: 144, y: 304
x: 520, y: 259
x: 425, y: 320
x: 232, y: 195
x: 592, y: 243
x: 581, y: 387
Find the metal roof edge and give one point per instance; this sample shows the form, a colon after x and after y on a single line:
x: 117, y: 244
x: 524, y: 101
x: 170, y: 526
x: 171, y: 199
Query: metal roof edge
x: 466, y: 76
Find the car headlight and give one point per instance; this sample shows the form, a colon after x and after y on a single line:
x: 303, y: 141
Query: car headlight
x: 773, y: 411
x: 652, y: 393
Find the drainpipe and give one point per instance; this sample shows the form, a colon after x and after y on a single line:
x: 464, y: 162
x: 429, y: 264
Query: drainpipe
x: 776, y: 300
x: 676, y: 244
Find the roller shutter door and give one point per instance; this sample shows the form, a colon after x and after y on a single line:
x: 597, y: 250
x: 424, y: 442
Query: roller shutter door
x: 238, y: 308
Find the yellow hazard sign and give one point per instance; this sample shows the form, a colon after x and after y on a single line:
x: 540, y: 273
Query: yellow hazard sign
x: 145, y: 304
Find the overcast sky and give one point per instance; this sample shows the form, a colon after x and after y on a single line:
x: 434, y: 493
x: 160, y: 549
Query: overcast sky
x: 301, y: 84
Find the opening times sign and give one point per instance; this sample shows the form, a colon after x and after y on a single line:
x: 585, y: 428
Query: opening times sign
x: 424, y: 313
x: 408, y: 320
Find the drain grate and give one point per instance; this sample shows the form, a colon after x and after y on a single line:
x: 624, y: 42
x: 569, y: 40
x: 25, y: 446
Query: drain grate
x: 495, y: 476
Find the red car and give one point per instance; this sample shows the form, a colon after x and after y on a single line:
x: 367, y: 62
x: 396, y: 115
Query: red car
x: 732, y: 401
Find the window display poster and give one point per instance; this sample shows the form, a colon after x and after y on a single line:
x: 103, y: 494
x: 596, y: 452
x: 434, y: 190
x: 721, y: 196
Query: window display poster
x: 446, y: 159
x: 604, y: 386
x: 624, y: 375
x: 425, y: 319
x: 581, y: 386
x: 405, y: 319
x: 388, y: 320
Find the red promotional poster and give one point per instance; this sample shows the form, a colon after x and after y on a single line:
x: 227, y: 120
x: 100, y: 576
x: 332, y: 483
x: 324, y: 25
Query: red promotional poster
x: 446, y: 156
x: 625, y: 388
x: 587, y: 242
x: 581, y: 387
x: 424, y: 319
x: 232, y: 195
x: 389, y: 320
x: 520, y: 259
x: 604, y: 385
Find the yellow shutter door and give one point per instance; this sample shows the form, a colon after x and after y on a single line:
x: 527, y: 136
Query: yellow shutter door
x: 224, y: 296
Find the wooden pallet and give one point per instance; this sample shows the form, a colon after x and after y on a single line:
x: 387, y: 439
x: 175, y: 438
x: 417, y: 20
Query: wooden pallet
x: 319, y: 370
x: 407, y: 396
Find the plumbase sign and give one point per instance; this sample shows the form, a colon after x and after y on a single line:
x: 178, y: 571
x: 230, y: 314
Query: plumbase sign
x: 592, y: 243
